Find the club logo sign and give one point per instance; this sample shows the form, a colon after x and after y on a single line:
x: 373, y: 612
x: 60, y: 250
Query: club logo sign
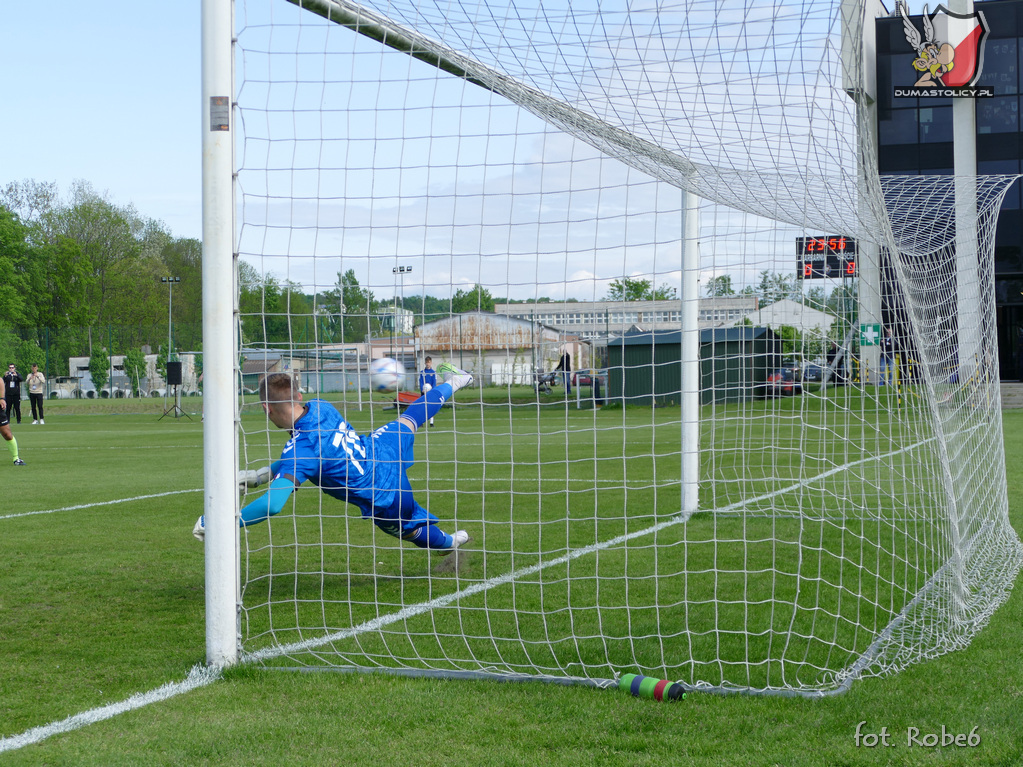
x: 949, y: 53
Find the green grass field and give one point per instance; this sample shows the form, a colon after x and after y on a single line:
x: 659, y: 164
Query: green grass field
x: 103, y: 599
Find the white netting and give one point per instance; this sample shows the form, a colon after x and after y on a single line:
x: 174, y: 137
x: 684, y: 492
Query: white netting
x: 541, y: 153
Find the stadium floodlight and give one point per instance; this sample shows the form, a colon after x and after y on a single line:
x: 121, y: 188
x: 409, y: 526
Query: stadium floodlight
x: 626, y: 182
x: 170, y: 313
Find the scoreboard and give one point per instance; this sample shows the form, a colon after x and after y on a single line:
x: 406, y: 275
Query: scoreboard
x: 829, y: 256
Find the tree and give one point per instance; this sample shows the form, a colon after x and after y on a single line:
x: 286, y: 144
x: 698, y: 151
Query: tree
x: 814, y: 297
x: 664, y: 292
x: 720, y: 286
x: 135, y: 369
x: 774, y: 287
x: 843, y: 302
x: 183, y: 258
x: 16, y: 306
x: 161, y: 362
x: 477, y: 299
x: 353, y: 305
x: 99, y: 367
x: 628, y: 289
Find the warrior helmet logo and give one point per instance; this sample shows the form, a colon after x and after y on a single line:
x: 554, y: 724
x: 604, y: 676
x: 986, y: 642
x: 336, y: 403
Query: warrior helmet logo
x: 950, y: 52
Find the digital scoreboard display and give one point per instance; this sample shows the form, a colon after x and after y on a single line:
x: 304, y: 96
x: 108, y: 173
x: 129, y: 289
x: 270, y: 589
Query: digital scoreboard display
x: 823, y: 257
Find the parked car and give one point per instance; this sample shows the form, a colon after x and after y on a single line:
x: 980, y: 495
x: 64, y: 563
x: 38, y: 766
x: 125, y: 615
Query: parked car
x: 582, y: 378
x: 784, y: 382
x: 813, y: 374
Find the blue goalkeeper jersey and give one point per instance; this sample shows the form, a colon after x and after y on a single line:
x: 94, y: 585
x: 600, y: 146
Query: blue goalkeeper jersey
x: 366, y: 472
x: 427, y: 376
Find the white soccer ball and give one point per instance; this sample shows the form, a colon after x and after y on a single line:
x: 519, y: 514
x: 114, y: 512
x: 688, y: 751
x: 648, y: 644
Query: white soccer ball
x: 385, y: 374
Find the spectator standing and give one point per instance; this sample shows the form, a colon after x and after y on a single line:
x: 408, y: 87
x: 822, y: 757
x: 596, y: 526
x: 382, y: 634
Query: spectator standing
x: 565, y: 365
x: 889, y: 350
x: 36, y: 394
x: 12, y: 391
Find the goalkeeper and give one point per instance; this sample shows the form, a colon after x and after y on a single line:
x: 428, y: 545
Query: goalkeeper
x: 368, y: 472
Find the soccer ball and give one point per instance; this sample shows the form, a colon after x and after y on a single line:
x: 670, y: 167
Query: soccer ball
x: 385, y: 374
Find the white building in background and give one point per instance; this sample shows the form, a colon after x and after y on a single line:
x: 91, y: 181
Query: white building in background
x: 397, y: 319
x: 79, y: 381
x: 803, y: 318
x: 593, y: 320
x: 498, y: 349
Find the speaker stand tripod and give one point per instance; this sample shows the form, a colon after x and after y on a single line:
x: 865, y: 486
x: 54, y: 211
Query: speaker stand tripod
x: 176, y: 408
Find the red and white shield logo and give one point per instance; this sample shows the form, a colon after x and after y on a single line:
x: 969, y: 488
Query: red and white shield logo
x: 966, y: 33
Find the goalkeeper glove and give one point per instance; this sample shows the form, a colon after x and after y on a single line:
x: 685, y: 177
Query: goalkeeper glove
x: 254, y: 477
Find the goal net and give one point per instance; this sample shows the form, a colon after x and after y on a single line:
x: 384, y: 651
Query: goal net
x: 743, y: 484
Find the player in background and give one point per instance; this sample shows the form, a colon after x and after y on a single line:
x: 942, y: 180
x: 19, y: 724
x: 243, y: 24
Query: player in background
x: 366, y: 471
x: 427, y: 379
x: 5, y: 427
x: 565, y: 366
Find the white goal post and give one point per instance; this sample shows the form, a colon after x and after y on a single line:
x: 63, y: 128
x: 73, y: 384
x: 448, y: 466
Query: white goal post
x: 744, y: 493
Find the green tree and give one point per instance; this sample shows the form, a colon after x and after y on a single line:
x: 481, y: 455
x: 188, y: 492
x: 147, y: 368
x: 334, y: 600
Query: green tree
x: 844, y: 302
x: 664, y: 292
x: 353, y: 305
x: 183, y: 258
x: 815, y: 298
x: 720, y: 286
x: 16, y: 306
x: 63, y: 286
x: 99, y: 367
x: 773, y: 287
x: 161, y: 362
x: 476, y: 299
x: 628, y: 289
x: 135, y: 369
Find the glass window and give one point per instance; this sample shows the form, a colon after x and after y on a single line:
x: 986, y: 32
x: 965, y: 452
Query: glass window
x: 1001, y: 66
x: 998, y: 115
x: 1003, y: 168
x: 899, y: 127
x: 936, y: 124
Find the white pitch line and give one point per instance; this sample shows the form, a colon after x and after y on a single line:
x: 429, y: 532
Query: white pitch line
x: 199, y: 676
x: 100, y: 503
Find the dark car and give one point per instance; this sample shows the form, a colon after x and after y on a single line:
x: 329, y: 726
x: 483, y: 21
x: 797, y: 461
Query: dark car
x: 784, y: 382
x: 813, y: 374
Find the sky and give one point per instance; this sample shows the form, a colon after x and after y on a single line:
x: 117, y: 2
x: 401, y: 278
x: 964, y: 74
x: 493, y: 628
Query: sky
x: 106, y: 92
x: 109, y: 93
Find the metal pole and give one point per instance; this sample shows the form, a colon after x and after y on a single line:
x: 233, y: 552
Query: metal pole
x: 219, y: 277
x: 691, y: 356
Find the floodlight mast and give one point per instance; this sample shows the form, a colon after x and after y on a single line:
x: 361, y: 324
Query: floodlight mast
x: 219, y: 269
x: 170, y: 313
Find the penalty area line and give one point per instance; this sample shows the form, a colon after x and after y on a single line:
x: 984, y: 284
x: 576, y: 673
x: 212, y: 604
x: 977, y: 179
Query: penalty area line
x: 100, y: 503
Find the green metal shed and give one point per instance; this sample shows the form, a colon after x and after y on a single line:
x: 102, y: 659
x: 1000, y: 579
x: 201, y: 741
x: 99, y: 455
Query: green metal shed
x: 645, y: 367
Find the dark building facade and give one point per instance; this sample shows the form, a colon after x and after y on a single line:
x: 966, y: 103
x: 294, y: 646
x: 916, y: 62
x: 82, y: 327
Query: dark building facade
x: 915, y: 137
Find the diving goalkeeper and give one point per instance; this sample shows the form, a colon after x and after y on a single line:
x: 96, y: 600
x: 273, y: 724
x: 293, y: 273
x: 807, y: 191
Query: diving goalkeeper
x: 368, y: 472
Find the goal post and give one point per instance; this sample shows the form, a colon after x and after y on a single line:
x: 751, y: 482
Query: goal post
x: 643, y: 196
x: 220, y: 393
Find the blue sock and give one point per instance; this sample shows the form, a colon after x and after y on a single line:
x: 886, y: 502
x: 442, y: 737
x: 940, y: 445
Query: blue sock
x: 427, y: 406
x: 430, y: 537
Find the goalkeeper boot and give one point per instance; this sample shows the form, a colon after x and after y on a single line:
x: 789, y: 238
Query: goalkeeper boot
x: 455, y: 377
x: 199, y: 531
x: 18, y: 462
x: 459, y: 538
